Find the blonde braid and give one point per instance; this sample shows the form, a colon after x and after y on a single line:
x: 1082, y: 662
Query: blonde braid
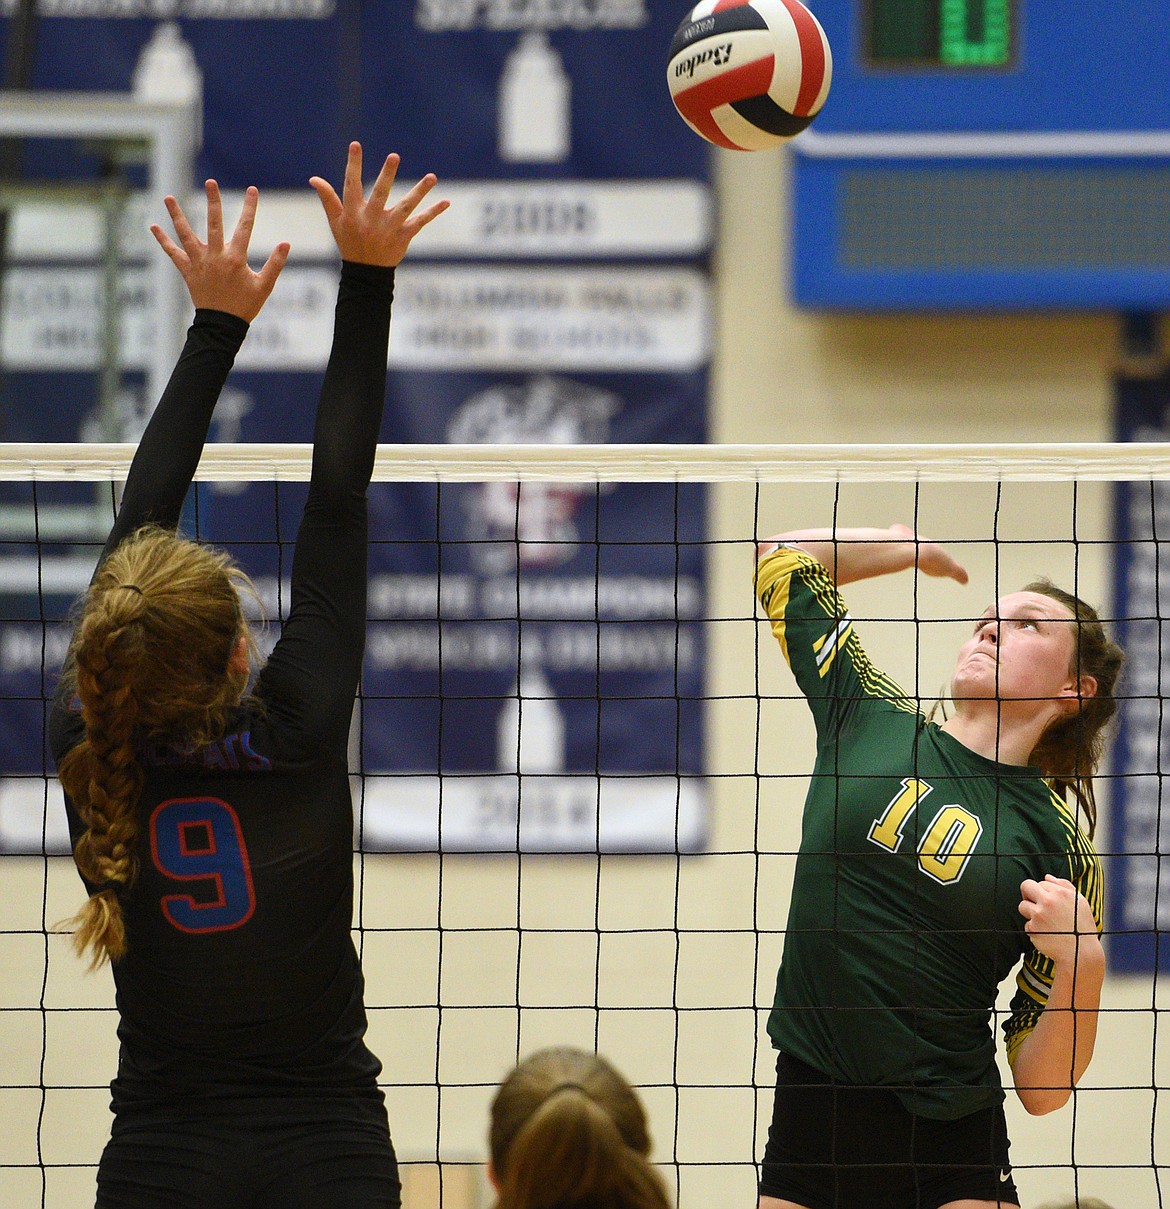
x: 102, y: 774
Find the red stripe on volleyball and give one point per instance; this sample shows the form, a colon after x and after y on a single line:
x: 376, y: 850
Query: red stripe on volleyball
x: 695, y: 103
x: 812, y: 55
x: 729, y: 4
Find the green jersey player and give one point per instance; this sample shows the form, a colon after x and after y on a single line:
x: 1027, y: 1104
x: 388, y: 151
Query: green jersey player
x: 933, y: 859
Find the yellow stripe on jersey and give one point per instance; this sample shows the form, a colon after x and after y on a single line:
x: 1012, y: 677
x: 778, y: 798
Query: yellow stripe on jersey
x: 1023, y: 1026
x: 878, y: 684
x: 1034, y: 982
x: 828, y: 646
x: 774, y: 576
x: 773, y: 592
x: 1033, y: 986
x: 1035, y: 979
x: 1084, y: 863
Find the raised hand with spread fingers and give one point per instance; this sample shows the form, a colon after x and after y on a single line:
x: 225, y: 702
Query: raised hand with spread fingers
x: 368, y: 231
x: 217, y: 274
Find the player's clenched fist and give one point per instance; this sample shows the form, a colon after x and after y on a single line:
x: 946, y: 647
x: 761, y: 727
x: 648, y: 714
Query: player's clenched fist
x: 1059, y: 921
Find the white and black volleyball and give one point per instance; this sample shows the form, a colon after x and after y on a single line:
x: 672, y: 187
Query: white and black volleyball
x: 749, y: 74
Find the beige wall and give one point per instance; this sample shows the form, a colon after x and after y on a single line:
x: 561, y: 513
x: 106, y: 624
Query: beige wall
x: 661, y: 960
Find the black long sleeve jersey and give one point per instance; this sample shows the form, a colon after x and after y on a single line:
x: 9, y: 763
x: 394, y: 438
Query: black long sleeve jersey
x: 241, y: 977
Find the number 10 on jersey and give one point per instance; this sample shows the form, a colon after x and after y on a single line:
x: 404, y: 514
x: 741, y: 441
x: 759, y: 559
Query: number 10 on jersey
x: 946, y: 845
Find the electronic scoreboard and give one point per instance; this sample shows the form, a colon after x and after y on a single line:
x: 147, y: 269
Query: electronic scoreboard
x: 988, y: 154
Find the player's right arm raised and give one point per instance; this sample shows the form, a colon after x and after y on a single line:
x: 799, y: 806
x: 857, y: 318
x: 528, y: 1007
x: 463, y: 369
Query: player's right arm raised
x: 227, y: 296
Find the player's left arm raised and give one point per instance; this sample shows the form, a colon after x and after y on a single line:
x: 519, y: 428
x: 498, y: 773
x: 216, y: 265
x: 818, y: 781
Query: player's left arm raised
x: 313, y: 672
x: 366, y: 230
x: 1052, y: 1058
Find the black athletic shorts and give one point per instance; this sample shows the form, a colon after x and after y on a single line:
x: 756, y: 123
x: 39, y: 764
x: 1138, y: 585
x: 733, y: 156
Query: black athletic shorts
x: 290, y: 1154
x: 835, y: 1146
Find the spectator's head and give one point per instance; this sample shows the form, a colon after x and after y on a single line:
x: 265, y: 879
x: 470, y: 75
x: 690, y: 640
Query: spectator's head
x: 567, y: 1130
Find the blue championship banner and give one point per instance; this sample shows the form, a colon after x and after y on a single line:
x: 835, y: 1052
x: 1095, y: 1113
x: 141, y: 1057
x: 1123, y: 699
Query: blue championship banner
x: 540, y: 646
x: 1139, y: 871
x: 554, y: 631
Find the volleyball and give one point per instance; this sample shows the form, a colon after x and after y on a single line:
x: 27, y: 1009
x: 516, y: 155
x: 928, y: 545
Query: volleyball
x: 749, y: 74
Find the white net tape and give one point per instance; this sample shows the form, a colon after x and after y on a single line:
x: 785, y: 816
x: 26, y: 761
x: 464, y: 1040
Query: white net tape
x: 1087, y: 461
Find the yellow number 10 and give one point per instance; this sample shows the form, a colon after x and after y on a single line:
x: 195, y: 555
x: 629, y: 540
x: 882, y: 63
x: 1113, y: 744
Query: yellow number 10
x: 945, y: 848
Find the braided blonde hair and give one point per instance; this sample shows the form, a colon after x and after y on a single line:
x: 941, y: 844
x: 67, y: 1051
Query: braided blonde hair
x: 151, y: 659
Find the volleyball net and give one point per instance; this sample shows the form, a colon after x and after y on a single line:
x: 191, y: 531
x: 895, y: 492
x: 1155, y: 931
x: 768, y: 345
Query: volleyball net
x: 578, y: 766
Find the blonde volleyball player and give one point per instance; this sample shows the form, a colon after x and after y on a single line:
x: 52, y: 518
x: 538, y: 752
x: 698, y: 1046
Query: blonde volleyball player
x: 213, y: 831
x: 933, y: 859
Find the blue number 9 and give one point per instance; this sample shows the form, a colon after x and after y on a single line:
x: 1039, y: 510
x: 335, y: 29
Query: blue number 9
x: 200, y: 840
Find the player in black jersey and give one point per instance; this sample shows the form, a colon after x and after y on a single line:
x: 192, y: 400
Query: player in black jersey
x: 214, y: 832
x: 933, y: 858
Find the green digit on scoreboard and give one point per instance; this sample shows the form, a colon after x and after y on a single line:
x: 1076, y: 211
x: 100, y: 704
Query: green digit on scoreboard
x: 974, y: 33
x: 962, y: 34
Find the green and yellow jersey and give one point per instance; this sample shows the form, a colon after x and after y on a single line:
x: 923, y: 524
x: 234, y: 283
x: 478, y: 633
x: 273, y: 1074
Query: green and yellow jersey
x: 904, y: 917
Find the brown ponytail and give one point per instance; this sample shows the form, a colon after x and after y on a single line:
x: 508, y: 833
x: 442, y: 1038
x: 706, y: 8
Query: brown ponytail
x: 568, y: 1132
x: 150, y: 660
x: 1070, y: 750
